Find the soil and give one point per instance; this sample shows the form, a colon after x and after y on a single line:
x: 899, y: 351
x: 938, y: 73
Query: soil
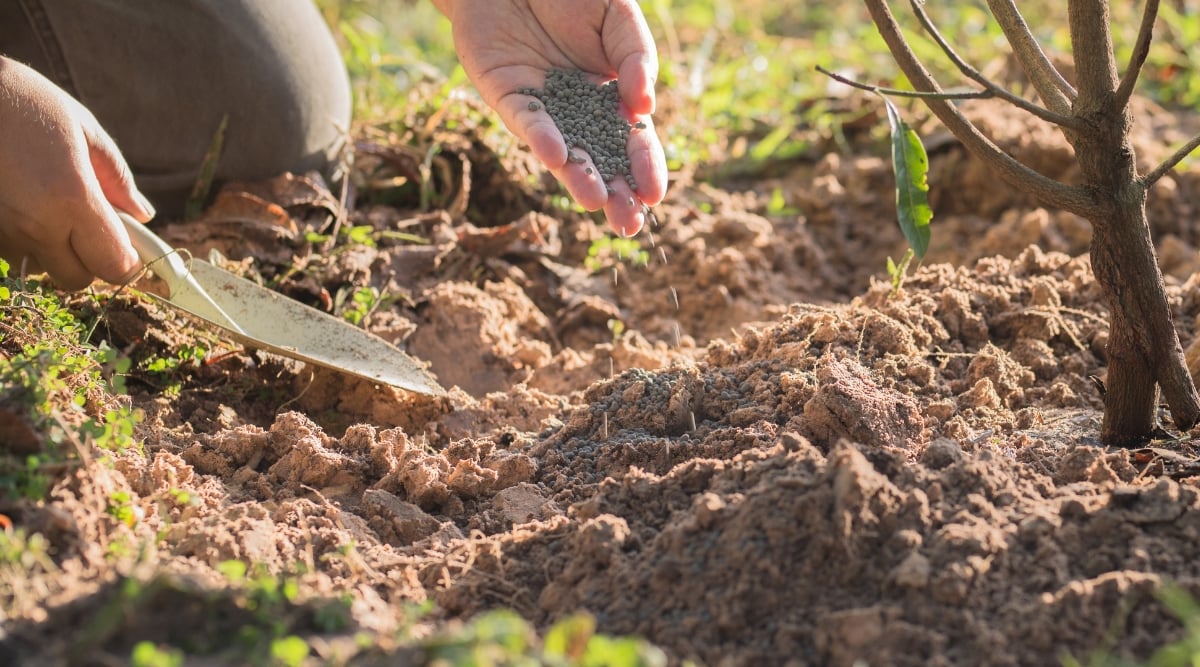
x: 754, y: 449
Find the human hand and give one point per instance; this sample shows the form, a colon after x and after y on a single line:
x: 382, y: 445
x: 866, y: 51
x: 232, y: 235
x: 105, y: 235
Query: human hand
x: 61, y: 176
x: 507, y: 45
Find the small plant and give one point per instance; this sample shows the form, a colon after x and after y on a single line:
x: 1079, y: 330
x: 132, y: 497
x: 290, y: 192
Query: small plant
x: 1182, y: 653
x: 115, y: 431
x: 289, y: 651
x: 120, y: 507
x: 58, y: 384
x: 358, y: 303
x: 778, y: 205
x: 5, y: 292
x: 360, y: 235
x: 149, y: 654
x: 504, y: 638
x: 899, y: 271
x: 606, y: 251
x: 617, y: 327
x: 186, y: 355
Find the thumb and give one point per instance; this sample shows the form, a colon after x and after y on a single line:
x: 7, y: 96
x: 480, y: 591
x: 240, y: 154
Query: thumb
x: 114, y: 175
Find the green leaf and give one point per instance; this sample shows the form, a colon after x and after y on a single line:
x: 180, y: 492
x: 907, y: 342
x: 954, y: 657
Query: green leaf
x: 569, y: 637
x: 911, y: 166
x: 234, y: 570
x: 148, y: 654
x: 289, y: 651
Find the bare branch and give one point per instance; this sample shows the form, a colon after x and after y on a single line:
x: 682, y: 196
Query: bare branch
x: 1071, y: 198
x: 1049, y: 82
x: 1062, y: 120
x: 1141, y: 49
x: 1095, y: 65
x: 1169, y: 163
x: 896, y: 92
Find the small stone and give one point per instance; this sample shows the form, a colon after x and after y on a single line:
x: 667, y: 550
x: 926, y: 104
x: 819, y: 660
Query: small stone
x: 534, y: 106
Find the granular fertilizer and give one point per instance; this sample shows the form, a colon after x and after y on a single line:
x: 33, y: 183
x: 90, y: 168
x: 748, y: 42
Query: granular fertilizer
x: 589, y: 119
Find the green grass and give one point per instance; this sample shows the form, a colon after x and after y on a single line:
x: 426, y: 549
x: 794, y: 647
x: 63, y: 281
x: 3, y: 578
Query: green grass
x: 62, y: 390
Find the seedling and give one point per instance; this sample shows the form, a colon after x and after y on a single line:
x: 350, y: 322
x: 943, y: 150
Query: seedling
x: 606, y: 251
x: 898, y: 272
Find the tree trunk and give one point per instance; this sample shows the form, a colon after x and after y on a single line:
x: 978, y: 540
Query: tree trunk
x: 1143, y: 347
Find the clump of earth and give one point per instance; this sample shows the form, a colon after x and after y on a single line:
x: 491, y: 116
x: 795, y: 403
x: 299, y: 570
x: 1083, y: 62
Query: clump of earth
x: 755, y: 449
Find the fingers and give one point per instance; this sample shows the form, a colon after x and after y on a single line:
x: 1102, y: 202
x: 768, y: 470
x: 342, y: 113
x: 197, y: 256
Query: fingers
x: 626, y: 213
x: 103, y: 247
x: 65, y: 268
x: 60, y: 177
x: 30, y: 253
x: 575, y: 170
x: 629, y: 46
x: 648, y: 162
x: 114, y: 176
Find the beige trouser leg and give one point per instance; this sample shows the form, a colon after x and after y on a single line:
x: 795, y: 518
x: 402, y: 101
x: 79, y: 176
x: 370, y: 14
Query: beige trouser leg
x: 161, y: 74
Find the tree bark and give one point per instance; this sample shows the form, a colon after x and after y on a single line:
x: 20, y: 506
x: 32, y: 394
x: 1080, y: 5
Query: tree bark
x: 1143, y: 346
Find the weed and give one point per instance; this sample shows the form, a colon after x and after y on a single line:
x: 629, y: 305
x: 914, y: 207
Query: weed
x: 289, y: 651
x: 617, y: 327
x: 58, y: 384
x: 899, y: 271
x: 149, y: 654
x: 120, y: 507
x: 778, y: 206
x: 606, y: 251
x: 504, y: 638
x: 186, y: 355
x: 24, y: 478
x: 358, y: 303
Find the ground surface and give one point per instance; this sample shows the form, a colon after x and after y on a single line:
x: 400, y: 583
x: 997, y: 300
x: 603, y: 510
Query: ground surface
x: 773, y: 457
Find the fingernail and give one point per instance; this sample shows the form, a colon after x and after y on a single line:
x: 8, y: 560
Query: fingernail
x: 147, y: 212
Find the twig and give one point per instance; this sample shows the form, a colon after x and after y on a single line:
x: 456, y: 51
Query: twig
x: 1049, y: 82
x: 1169, y: 163
x: 1062, y: 120
x: 1141, y: 49
x: 896, y: 92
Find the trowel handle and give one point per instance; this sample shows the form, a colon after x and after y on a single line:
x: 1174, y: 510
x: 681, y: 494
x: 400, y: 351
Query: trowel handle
x: 154, y: 252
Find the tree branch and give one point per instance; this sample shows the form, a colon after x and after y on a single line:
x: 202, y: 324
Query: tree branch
x: 1049, y: 82
x: 1169, y: 163
x: 1074, y: 199
x: 1141, y: 49
x: 1095, y: 65
x: 896, y: 92
x: 1062, y: 120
